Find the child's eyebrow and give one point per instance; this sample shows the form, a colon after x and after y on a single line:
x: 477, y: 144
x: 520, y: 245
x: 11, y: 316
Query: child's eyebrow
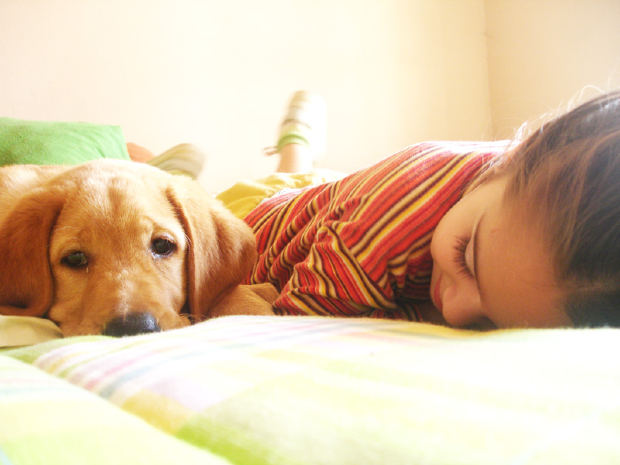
x: 476, y: 246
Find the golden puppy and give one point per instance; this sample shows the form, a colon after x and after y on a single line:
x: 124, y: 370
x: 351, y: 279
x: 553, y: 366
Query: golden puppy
x: 119, y: 248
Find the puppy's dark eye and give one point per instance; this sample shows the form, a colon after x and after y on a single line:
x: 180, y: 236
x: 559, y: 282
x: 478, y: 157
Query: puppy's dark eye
x: 163, y: 247
x: 75, y: 260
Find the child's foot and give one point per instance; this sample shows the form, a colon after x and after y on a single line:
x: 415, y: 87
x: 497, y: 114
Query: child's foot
x: 183, y: 159
x: 301, y: 139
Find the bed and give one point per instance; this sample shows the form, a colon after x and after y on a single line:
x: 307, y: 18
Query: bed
x: 307, y: 390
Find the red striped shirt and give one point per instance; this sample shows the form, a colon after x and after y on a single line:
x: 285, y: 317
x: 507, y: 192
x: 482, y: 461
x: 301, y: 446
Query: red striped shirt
x: 360, y: 246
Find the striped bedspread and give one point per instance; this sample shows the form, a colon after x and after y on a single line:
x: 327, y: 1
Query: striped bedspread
x: 311, y: 390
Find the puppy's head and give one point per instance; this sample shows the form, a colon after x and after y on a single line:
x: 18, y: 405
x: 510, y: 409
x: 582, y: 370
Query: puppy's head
x: 119, y: 248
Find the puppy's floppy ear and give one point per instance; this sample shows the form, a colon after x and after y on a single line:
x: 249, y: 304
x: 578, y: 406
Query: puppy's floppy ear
x: 26, y: 286
x: 221, y: 247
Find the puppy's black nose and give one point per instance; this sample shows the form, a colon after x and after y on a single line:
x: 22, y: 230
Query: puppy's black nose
x: 131, y: 324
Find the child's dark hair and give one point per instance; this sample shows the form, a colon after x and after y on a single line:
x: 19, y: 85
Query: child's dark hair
x: 569, y: 174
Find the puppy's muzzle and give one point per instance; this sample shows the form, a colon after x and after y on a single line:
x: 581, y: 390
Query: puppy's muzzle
x: 132, y: 324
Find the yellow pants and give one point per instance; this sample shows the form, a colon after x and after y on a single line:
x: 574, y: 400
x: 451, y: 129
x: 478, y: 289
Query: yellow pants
x: 243, y: 196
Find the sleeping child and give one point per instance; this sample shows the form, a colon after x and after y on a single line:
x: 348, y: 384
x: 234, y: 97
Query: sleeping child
x: 463, y: 234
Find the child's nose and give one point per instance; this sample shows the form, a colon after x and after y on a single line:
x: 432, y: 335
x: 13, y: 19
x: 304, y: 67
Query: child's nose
x: 462, y: 309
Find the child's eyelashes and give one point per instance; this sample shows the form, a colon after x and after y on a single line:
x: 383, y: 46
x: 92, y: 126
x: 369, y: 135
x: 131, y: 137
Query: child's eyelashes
x: 460, y: 247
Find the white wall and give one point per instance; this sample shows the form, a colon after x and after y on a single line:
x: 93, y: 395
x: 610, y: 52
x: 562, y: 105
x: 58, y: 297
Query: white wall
x: 545, y: 55
x: 219, y: 73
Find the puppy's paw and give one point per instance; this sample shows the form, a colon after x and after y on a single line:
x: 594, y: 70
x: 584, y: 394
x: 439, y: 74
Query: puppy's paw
x: 265, y: 290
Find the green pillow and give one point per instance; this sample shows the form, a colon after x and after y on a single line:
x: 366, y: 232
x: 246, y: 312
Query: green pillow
x: 58, y: 143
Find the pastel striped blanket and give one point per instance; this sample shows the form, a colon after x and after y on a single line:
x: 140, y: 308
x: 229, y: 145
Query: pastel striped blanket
x: 312, y: 390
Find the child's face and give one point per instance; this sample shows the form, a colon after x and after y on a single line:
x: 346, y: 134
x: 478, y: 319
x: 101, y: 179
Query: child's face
x: 489, y: 264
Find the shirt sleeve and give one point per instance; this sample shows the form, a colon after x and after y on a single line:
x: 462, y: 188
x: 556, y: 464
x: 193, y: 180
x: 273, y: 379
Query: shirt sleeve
x: 330, y: 281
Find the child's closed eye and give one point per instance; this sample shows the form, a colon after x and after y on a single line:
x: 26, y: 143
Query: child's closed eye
x: 460, y: 247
